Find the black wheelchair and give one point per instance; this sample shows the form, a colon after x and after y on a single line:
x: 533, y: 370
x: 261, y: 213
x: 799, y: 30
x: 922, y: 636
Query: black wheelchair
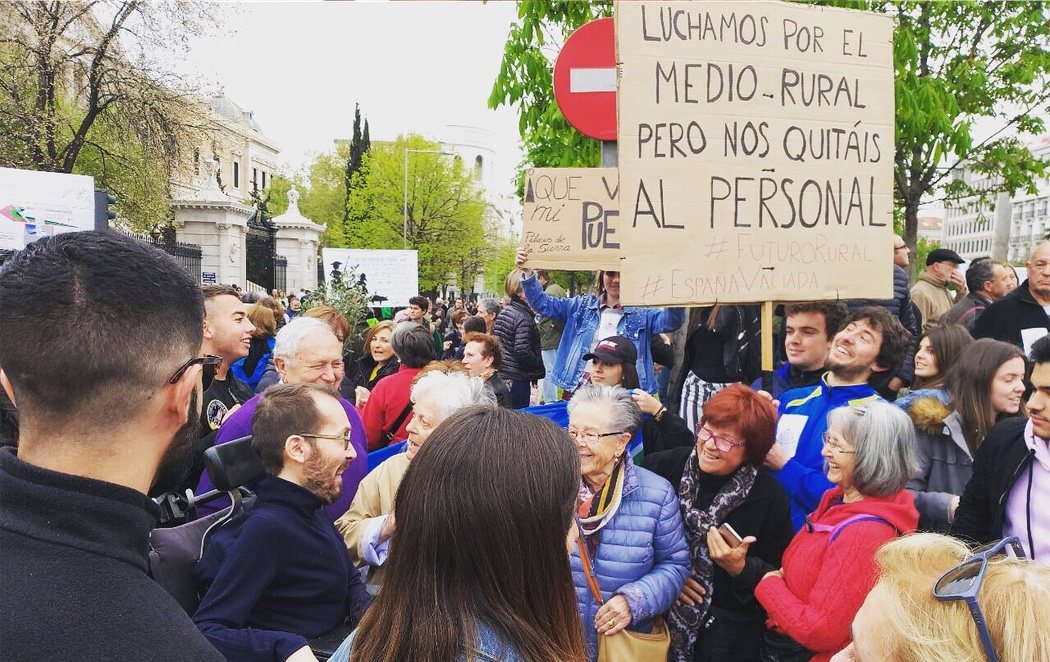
x: 174, y: 551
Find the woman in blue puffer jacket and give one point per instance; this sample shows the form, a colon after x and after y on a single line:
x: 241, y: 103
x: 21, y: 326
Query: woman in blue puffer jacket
x: 631, y: 525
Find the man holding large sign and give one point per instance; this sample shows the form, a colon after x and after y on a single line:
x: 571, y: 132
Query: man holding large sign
x: 760, y: 136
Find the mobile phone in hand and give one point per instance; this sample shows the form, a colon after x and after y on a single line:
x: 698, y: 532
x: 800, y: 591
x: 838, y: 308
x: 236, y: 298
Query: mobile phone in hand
x: 729, y: 534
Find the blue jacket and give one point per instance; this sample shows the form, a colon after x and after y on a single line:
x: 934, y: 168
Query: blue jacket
x: 581, y: 316
x: 276, y: 577
x: 642, y: 554
x: 490, y: 647
x: 803, y: 419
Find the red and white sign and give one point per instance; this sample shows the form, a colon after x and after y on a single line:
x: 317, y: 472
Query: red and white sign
x: 585, y: 80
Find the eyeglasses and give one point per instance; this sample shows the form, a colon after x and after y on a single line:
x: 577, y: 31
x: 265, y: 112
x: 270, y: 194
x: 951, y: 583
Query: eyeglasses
x: 836, y: 445
x: 343, y: 437
x: 722, y: 443
x: 208, y: 364
x: 900, y: 248
x: 963, y: 582
x: 589, y: 437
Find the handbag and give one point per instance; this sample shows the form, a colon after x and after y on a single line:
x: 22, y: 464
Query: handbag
x: 626, y: 645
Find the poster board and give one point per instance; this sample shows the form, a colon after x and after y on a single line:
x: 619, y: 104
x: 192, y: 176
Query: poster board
x: 42, y: 204
x: 391, y: 276
x: 756, y: 145
x: 572, y: 218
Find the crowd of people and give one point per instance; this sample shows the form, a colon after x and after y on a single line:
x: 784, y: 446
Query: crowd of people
x: 537, y: 479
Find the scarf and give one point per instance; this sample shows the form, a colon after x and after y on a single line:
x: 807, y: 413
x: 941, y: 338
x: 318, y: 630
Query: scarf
x: 684, y: 621
x: 597, y: 508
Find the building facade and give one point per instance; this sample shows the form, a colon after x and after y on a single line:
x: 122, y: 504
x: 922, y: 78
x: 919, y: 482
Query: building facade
x: 1005, y: 227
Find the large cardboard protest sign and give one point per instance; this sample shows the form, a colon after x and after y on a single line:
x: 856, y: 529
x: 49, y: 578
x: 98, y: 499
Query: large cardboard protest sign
x: 756, y: 151
x: 572, y: 218
x: 391, y: 277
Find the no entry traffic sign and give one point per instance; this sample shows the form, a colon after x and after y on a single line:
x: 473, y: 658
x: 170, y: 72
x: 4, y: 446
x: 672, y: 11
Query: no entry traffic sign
x: 585, y: 80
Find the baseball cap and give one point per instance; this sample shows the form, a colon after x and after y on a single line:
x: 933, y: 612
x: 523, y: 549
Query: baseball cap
x: 943, y: 255
x: 614, y: 350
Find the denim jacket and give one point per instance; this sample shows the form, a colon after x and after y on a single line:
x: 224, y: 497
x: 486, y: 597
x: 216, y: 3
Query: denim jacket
x: 582, y: 315
x: 490, y: 648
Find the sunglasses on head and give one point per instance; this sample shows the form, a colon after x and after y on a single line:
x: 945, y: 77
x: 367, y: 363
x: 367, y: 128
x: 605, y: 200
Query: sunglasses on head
x: 963, y: 582
x: 208, y: 364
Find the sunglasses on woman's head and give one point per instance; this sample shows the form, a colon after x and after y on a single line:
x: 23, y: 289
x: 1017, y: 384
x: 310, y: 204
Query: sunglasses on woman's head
x: 963, y: 582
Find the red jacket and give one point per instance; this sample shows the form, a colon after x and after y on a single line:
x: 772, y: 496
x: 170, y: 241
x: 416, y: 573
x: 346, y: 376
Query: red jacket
x: 385, y: 404
x: 825, y: 582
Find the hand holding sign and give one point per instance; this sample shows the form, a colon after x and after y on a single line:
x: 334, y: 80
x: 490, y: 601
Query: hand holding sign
x: 521, y: 259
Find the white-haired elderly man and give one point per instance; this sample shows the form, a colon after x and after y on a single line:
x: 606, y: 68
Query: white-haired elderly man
x: 306, y: 352
x: 369, y: 523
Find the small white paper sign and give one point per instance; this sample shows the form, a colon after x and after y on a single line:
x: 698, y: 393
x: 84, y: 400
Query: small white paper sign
x: 789, y: 431
x: 1029, y: 336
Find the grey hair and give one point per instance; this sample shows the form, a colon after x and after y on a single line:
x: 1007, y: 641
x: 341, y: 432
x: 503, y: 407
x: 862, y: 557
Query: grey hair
x: 491, y: 306
x: 883, y: 439
x: 286, y: 346
x: 453, y: 391
x: 626, y: 414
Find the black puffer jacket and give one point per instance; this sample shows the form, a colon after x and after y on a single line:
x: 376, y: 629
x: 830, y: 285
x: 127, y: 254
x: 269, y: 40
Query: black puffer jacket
x: 519, y: 338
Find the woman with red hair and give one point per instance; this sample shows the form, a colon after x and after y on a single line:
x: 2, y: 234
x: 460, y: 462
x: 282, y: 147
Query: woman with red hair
x: 737, y: 522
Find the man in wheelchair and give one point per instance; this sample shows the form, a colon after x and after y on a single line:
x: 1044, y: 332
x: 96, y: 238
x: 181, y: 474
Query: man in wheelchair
x: 280, y: 574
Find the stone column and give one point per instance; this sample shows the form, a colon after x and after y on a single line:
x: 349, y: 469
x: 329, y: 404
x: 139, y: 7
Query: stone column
x: 218, y: 224
x: 298, y: 239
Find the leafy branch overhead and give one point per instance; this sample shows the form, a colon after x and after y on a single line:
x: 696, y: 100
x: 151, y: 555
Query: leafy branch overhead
x: 84, y: 88
x: 957, y: 65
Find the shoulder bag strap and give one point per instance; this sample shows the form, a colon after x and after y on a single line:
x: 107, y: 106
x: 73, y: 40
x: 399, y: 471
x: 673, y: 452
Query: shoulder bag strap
x: 389, y: 434
x: 588, y: 571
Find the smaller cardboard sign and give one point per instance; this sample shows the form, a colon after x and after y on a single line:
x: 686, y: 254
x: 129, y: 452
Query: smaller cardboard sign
x: 572, y: 218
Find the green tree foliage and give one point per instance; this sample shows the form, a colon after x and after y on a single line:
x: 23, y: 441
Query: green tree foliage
x: 445, y: 212
x: 322, y: 195
x: 956, y: 63
x: 83, y: 89
x: 526, y: 80
x: 360, y: 143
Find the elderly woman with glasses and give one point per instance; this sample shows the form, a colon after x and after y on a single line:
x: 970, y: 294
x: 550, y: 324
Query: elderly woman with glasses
x: 829, y: 567
x: 439, y: 391
x: 722, y: 484
x: 631, y: 527
x: 938, y: 601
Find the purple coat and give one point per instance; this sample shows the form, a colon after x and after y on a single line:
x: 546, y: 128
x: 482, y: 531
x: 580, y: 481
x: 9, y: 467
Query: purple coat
x: 239, y: 424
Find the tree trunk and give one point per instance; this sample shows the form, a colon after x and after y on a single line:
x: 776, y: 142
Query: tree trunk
x: 911, y: 232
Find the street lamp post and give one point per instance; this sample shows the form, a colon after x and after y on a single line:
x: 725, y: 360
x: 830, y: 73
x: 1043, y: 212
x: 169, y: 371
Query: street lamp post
x: 404, y: 211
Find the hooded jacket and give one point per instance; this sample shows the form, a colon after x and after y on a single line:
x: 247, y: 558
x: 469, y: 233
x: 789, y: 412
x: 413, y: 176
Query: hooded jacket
x: 945, y: 464
x: 1009, y: 318
x: 825, y: 580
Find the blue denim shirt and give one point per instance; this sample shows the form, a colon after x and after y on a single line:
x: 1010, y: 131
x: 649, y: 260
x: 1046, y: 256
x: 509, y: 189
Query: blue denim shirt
x: 582, y: 315
x: 490, y: 648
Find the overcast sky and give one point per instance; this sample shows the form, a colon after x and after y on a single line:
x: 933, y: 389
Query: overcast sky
x: 412, y: 66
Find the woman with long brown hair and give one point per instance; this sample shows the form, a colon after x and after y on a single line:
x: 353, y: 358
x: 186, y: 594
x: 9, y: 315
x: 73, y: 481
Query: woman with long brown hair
x: 985, y: 383
x: 478, y: 568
